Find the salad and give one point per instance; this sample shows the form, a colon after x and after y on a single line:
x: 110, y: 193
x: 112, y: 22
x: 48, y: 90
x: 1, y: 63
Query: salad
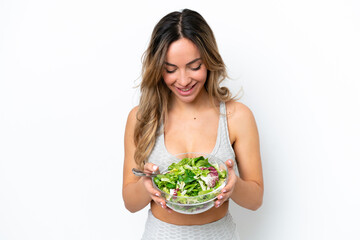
x: 191, y: 181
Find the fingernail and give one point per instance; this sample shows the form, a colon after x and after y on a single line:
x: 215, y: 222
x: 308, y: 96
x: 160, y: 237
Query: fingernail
x: 230, y: 162
x: 154, y: 168
x: 156, y: 194
x: 224, y: 191
x: 161, y: 204
x: 221, y: 197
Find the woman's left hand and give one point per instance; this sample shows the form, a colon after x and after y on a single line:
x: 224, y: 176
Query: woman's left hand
x: 229, y: 188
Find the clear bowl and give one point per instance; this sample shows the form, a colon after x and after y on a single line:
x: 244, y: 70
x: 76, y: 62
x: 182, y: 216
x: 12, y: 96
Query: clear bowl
x: 195, y: 204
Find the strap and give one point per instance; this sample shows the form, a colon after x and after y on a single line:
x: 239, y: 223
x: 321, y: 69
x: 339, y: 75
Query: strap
x: 222, y: 108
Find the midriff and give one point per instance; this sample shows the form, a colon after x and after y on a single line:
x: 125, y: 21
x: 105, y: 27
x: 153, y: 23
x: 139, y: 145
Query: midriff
x: 212, y: 215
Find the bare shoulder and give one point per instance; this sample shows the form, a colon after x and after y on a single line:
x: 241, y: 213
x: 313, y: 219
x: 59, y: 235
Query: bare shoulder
x: 133, y: 113
x: 130, y: 124
x: 129, y: 142
x: 241, y: 120
x: 132, y: 117
x: 238, y: 111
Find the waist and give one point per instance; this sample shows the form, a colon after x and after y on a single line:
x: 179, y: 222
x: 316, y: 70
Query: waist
x: 212, y: 215
x: 224, y: 228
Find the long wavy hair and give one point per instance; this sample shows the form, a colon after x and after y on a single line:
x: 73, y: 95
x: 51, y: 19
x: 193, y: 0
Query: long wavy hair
x: 153, y: 105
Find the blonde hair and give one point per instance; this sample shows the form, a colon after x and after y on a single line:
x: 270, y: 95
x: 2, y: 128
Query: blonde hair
x: 154, y: 93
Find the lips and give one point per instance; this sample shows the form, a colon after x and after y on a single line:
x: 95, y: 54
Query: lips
x: 185, y: 91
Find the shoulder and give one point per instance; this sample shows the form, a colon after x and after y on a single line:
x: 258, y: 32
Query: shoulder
x: 132, y: 114
x: 131, y: 119
x: 238, y: 111
x: 241, y: 120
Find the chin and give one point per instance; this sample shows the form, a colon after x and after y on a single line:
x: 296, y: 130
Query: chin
x: 184, y: 99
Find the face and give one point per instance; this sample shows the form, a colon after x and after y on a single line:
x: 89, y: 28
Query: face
x: 184, y: 72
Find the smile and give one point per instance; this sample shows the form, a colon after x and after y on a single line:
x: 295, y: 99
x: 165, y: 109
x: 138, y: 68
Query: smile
x: 186, y: 91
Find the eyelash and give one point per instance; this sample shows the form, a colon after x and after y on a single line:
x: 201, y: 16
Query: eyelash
x: 197, y: 68
x: 170, y: 71
x: 194, y: 69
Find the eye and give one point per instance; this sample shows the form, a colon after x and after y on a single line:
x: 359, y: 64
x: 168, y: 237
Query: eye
x: 196, y: 68
x: 170, y: 68
x: 170, y: 71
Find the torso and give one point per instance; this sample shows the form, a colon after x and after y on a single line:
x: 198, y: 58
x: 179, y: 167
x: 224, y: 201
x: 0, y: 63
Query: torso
x: 183, y: 133
x: 195, y: 133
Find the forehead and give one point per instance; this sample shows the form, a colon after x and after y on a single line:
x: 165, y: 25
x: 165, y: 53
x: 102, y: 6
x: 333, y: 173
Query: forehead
x: 182, y: 51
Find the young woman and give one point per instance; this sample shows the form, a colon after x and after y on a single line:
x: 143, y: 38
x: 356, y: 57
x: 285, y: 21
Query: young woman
x: 183, y: 109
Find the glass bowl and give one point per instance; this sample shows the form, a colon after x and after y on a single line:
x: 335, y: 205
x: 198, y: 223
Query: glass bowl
x: 194, y: 204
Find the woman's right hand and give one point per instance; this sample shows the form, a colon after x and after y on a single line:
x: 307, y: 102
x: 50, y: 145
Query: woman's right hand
x: 155, y: 194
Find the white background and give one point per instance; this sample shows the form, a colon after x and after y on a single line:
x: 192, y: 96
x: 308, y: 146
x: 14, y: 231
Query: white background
x: 67, y: 74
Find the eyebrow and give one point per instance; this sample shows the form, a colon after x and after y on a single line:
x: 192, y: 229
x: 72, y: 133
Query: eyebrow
x: 189, y: 63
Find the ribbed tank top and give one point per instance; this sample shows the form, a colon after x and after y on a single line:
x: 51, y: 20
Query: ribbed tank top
x: 222, y: 150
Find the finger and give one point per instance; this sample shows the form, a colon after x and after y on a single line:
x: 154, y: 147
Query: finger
x: 150, y: 188
x: 229, y: 163
x: 221, y: 199
x: 164, y: 206
x: 226, y: 189
x: 150, y: 168
x: 230, y: 184
x: 162, y: 203
x: 221, y: 196
x: 155, y: 194
x: 218, y: 203
x: 159, y: 201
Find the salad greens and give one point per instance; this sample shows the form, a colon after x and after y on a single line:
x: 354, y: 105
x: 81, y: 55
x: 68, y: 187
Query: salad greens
x: 191, y: 177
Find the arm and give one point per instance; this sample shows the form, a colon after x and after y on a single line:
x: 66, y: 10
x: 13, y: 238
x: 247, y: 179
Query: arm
x: 137, y: 191
x: 246, y: 190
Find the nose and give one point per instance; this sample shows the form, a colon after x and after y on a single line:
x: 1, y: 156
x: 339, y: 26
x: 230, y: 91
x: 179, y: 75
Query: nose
x: 183, y: 79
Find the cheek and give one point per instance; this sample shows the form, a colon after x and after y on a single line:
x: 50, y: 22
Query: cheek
x: 168, y: 79
x: 200, y: 75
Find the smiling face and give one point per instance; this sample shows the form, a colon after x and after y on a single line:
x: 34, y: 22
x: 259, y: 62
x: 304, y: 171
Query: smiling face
x: 184, y: 72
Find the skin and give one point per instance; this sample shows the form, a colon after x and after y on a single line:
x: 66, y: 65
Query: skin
x: 191, y: 126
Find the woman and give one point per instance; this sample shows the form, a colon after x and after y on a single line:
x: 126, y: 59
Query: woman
x: 183, y: 109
